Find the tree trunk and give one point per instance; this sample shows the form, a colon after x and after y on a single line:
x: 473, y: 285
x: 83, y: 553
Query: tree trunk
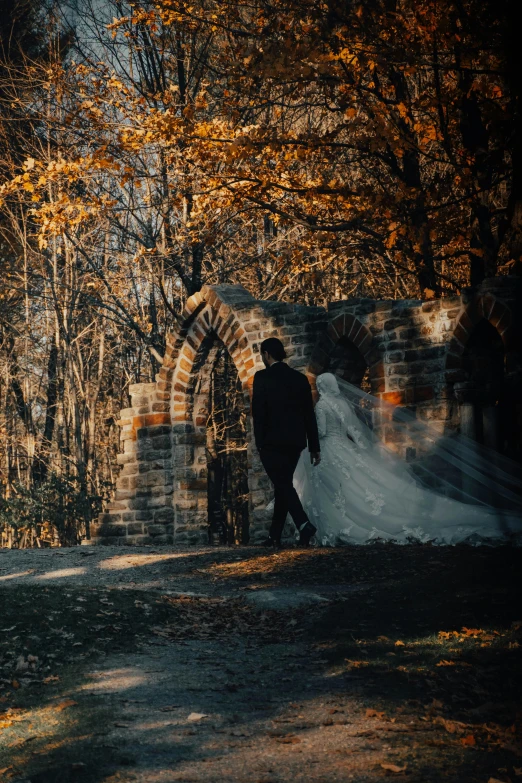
x: 42, y: 459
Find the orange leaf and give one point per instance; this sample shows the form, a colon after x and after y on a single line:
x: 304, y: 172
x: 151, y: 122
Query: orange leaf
x: 469, y: 740
x: 64, y: 704
x: 356, y: 664
x: 453, y: 726
x: 374, y: 714
x: 393, y: 768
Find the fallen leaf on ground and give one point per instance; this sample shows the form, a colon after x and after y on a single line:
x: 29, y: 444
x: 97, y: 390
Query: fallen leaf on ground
x: 393, y: 768
x: 469, y: 740
x: 453, y: 726
x: 356, y: 664
x: 374, y: 714
x: 194, y: 716
x: 475, y: 632
x: 62, y: 705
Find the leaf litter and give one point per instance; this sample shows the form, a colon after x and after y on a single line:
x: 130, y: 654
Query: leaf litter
x: 448, y: 689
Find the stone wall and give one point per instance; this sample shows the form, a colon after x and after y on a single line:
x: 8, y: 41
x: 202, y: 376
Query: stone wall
x: 161, y: 493
x: 413, y: 352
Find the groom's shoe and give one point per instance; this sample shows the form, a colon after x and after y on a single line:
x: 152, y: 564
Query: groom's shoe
x: 306, y: 532
x: 271, y: 542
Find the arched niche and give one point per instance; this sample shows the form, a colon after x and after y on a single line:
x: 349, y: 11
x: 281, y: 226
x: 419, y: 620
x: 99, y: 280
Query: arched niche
x: 346, y: 349
x: 221, y: 402
x: 483, y: 358
x: 481, y: 394
x: 347, y: 361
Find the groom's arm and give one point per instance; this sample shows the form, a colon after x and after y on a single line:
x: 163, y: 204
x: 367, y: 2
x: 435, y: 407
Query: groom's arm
x: 312, y: 434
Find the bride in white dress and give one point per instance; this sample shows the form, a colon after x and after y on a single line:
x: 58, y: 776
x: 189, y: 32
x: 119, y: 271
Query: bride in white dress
x: 362, y: 491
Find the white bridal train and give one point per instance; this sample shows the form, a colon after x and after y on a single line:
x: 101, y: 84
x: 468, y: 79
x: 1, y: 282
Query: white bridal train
x: 451, y: 491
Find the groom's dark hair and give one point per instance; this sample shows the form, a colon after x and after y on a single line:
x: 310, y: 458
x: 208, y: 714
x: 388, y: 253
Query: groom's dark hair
x: 274, y: 348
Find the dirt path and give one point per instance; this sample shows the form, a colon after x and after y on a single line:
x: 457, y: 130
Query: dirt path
x: 233, y: 665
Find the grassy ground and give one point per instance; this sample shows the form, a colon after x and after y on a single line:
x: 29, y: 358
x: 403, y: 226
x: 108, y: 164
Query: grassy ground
x: 413, y: 659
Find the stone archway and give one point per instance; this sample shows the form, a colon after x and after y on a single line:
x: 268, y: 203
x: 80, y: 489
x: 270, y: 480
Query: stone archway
x: 346, y: 347
x: 213, y: 325
x: 210, y: 321
x: 487, y: 308
x: 414, y: 352
x: 161, y: 492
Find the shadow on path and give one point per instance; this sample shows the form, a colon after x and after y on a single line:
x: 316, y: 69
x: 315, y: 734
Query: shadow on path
x: 237, y: 665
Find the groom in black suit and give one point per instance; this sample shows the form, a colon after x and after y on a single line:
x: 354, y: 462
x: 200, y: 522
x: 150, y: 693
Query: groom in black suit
x: 284, y: 422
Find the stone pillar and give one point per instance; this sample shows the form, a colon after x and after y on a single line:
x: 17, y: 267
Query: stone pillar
x: 141, y: 511
x: 467, y: 396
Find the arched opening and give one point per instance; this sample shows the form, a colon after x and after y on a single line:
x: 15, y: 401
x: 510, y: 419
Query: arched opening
x: 210, y: 456
x: 226, y: 452
x: 483, y: 356
x: 482, y: 411
x: 348, y: 363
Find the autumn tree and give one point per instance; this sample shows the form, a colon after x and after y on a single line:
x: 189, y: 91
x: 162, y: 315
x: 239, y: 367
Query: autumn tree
x: 308, y: 149
x: 385, y: 124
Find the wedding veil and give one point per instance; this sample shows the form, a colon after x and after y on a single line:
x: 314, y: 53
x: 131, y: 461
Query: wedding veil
x: 444, y: 462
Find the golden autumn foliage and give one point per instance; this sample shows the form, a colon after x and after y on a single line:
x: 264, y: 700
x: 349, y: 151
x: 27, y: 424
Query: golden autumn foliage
x: 375, y: 137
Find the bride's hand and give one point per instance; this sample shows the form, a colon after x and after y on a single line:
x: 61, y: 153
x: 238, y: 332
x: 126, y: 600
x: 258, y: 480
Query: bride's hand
x: 315, y: 458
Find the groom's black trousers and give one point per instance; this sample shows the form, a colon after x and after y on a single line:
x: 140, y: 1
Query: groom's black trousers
x: 280, y: 465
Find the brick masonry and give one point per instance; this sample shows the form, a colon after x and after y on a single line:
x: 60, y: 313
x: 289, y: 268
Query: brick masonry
x: 413, y: 351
